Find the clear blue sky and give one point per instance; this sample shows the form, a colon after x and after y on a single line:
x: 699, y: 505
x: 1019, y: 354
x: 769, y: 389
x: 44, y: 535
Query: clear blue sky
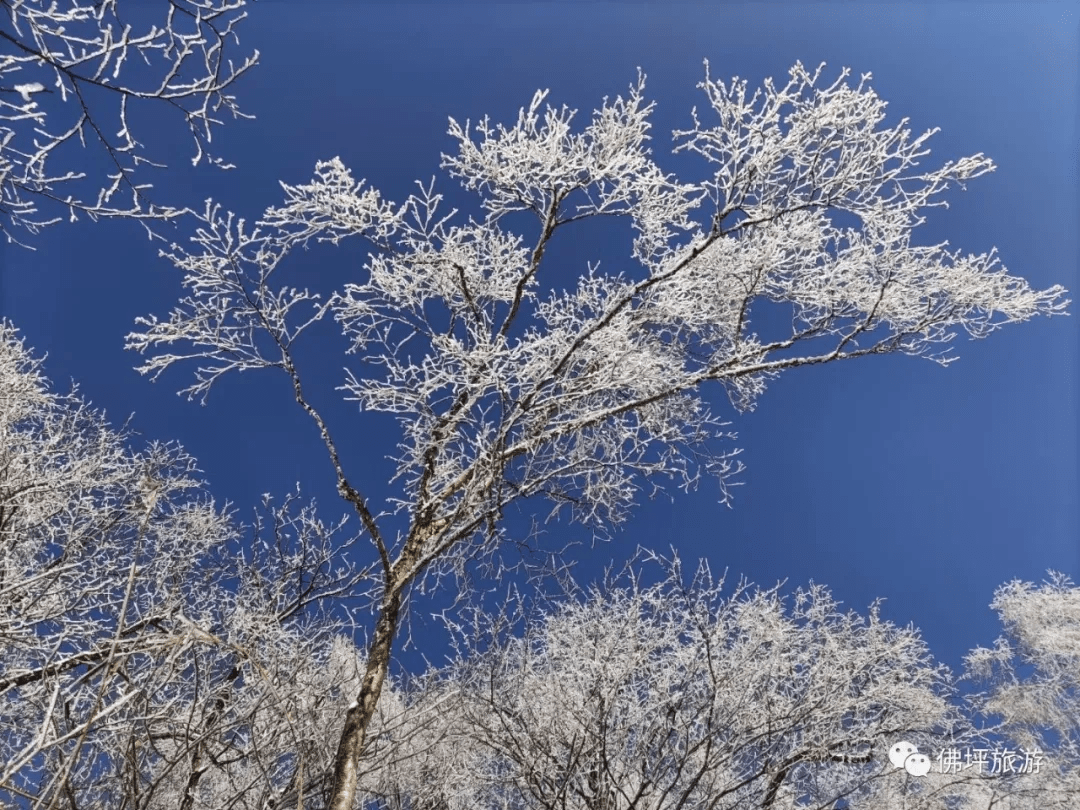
x: 883, y: 477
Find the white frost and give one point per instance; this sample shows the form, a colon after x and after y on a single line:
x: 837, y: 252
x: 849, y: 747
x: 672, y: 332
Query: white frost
x: 26, y: 90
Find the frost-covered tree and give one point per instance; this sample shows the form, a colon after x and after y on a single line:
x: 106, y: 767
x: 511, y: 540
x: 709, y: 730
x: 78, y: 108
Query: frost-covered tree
x: 152, y: 654
x: 1032, y: 676
x: 677, y: 696
x: 673, y: 696
x: 1042, y: 625
x: 71, y: 72
x: 509, y: 389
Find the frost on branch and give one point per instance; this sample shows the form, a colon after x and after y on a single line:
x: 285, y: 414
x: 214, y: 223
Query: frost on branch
x: 332, y: 204
x: 535, y: 169
x: 72, y: 65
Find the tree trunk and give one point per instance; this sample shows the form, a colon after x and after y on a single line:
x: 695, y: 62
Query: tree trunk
x: 358, y: 717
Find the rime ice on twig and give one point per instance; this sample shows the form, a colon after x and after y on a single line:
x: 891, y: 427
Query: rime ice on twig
x: 78, y: 49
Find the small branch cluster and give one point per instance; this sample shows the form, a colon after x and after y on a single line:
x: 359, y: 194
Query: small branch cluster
x: 63, y: 67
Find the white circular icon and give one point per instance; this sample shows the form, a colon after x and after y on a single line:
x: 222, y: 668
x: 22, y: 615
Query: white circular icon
x: 899, y: 753
x: 917, y: 764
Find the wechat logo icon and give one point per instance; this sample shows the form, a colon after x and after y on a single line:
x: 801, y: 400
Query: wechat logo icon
x: 906, y: 755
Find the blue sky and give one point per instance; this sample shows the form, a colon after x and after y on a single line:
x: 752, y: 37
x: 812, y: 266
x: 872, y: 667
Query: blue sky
x: 883, y: 477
